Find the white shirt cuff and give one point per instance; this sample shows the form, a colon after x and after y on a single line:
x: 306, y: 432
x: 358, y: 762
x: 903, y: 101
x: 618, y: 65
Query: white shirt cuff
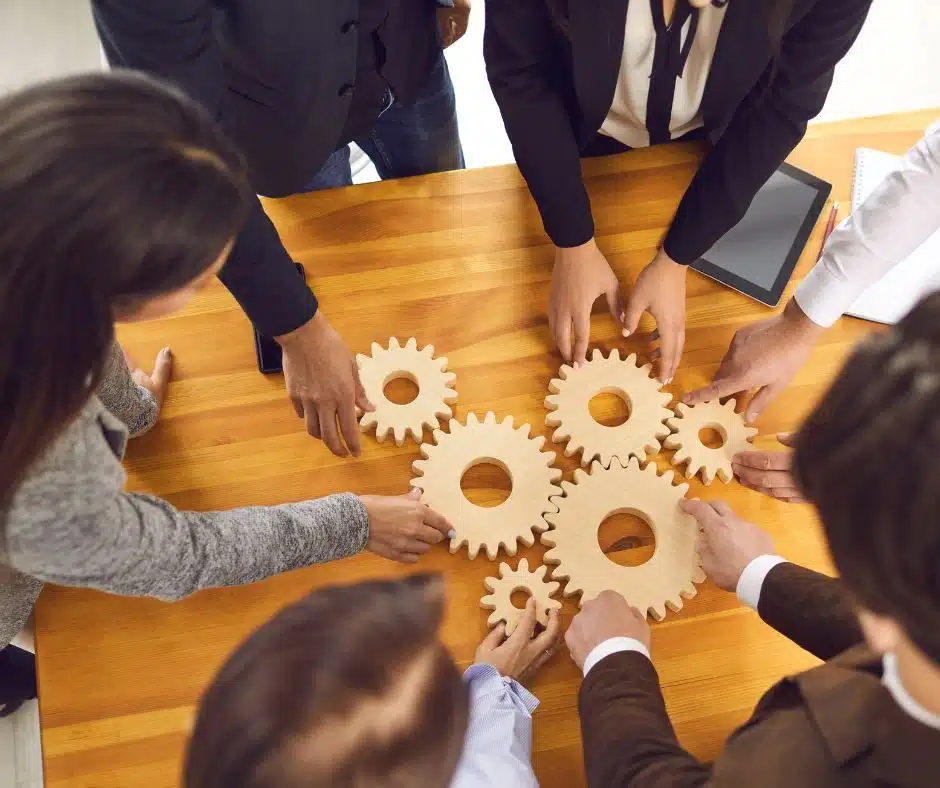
x: 612, y: 646
x: 752, y: 578
x: 824, y: 297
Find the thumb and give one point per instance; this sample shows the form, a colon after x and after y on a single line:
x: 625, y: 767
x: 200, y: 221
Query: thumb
x: 414, y: 494
x: 632, y: 314
x: 788, y: 439
x: 526, y: 627
x: 362, y: 399
x: 615, y: 303
x: 717, y: 389
x: 761, y: 400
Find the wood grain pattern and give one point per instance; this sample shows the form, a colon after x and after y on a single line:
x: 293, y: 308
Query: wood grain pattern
x: 458, y: 260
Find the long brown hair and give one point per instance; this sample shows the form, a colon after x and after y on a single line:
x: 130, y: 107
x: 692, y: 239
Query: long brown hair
x: 113, y: 188
x: 867, y: 458
x: 349, y: 687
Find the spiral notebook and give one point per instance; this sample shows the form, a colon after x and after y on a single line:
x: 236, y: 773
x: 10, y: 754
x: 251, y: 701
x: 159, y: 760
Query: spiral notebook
x: 892, y: 296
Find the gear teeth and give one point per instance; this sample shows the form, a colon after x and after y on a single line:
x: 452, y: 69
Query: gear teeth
x: 615, y: 355
x: 580, y: 475
x: 472, y: 420
x: 682, y: 409
x: 551, y: 402
x: 393, y: 343
x: 449, y: 379
x: 596, y: 355
x: 690, y: 591
x: 565, y: 371
x: 675, y: 605
x: 699, y: 576
x: 489, y: 418
x: 658, y: 612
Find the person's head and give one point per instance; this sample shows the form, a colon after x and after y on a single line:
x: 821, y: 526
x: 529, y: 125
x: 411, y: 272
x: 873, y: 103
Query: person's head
x: 349, y: 687
x: 119, y: 197
x: 867, y: 458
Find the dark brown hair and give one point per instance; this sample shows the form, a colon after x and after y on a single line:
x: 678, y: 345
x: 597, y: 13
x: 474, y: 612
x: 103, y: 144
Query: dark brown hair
x: 113, y: 188
x: 867, y: 458
x: 349, y: 687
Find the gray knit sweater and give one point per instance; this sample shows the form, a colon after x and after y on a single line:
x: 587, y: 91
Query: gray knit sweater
x: 70, y: 522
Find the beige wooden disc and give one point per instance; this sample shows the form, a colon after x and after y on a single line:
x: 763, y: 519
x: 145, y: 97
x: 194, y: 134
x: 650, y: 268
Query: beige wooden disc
x: 521, y: 457
x: 429, y: 374
x: 660, y: 583
x: 689, y: 447
x: 510, y: 580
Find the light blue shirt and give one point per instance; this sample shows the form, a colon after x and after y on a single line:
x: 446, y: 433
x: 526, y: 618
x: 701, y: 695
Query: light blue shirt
x: 498, y: 747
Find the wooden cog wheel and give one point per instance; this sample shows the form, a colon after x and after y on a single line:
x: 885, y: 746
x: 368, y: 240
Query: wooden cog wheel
x: 511, y: 580
x: 660, y: 583
x: 735, y: 434
x: 521, y: 457
x: 638, y: 436
x: 429, y: 374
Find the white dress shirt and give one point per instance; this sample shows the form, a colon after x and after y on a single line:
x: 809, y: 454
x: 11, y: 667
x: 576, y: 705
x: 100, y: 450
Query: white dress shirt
x: 902, y: 213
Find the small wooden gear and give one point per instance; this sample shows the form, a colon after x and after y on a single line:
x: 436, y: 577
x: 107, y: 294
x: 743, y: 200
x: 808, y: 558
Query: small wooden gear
x: 429, y: 374
x: 498, y: 443
x: 664, y: 580
x: 638, y: 436
x: 510, y: 580
x: 735, y: 434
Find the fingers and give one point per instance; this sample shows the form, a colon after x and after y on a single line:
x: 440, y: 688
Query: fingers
x: 437, y: 521
x: 495, y: 637
x: 349, y: 425
x: 615, y: 304
x: 671, y: 341
x: 309, y: 414
x: 362, y: 399
x: 582, y: 336
x: 329, y: 431
x: 701, y: 511
x: 431, y: 535
x: 526, y: 627
x: 298, y: 405
x: 721, y: 508
x: 162, y: 368
x: 550, y: 637
x: 632, y: 315
x: 763, y: 461
x: 787, y: 439
x: 785, y: 494
x: 562, y: 332
x: 762, y: 399
x: 717, y: 389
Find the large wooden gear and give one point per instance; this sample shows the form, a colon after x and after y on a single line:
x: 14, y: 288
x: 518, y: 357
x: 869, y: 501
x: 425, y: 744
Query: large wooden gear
x: 638, y: 436
x: 499, y: 443
x: 429, y: 374
x: 510, y: 580
x: 692, y: 419
x: 663, y: 581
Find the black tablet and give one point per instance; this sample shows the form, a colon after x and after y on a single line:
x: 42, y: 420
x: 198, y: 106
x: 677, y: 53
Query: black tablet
x: 757, y: 256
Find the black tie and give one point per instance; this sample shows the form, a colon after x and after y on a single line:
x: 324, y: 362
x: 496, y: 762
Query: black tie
x: 669, y: 60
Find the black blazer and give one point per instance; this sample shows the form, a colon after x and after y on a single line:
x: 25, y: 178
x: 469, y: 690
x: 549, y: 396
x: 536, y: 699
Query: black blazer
x: 554, y: 90
x: 275, y: 73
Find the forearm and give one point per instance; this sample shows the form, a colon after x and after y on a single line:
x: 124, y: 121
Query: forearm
x: 809, y: 608
x: 498, y: 748
x: 902, y: 213
x: 628, y: 738
x: 138, y: 545
x: 134, y: 405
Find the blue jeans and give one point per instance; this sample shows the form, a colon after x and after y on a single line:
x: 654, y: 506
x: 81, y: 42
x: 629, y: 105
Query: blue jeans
x: 412, y: 140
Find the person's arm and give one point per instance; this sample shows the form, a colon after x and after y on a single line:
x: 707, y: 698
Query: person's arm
x: 175, y: 40
x: 765, y: 128
x: 132, y: 403
x: 498, y: 744
x: 809, y: 608
x: 902, y: 213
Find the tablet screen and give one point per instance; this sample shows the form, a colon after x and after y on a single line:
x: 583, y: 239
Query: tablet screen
x: 758, y: 255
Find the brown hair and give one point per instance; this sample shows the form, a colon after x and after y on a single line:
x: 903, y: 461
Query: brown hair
x: 113, y: 188
x: 349, y: 687
x: 867, y: 458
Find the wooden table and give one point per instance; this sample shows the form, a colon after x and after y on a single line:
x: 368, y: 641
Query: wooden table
x: 458, y: 260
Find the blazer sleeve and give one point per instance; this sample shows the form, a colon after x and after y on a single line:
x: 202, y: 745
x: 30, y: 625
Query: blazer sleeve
x: 175, y: 40
x: 811, y: 609
x: 523, y: 63
x: 768, y: 124
x: 628, y: 738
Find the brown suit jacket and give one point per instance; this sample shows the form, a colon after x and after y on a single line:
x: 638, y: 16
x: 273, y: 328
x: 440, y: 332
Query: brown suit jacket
x: 831, y: 727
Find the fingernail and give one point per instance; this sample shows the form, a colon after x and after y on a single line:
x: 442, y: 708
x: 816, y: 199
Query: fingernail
x: 451, y: 534
x: 626, y: 332
x: 668, y: 381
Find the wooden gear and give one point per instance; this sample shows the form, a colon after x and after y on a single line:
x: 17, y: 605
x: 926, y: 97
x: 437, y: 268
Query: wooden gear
x: 511, y: 580
x: 664, y: 580
x: 521, y: 457
x: 735, y: 434
x: 421, y: 368
x: 638, y: 435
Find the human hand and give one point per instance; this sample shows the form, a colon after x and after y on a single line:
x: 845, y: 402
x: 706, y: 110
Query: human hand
x: 580, y: 276
x: 606, y: 616
x: 323, y: 384
x: 521, y: 654
x: 453, y: 21
x: 158, y: 380
x: 726, y: 543
x: 765, y: 356
x: 660, y: 290
x: 401, y: 527
x: 769, y: 472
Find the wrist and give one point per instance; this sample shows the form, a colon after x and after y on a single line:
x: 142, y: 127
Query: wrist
x: 313, y: 325
x: 663, y: 260
x: 800, y: 323
x: 575, y: 253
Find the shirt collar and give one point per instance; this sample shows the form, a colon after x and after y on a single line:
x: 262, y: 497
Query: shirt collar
x: 902, y: 697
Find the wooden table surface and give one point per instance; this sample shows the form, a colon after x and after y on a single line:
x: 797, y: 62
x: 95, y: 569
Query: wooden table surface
x: 458, y: 260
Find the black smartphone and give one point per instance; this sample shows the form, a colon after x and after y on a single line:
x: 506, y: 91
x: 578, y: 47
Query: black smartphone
x: 267, y: 349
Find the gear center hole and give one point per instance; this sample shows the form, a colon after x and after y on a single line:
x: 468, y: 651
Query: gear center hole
x: 713, y: 436
x: 626, y: 538
x: 519, y: 598
x: 610, y: 407
x: 401, y: 388
x: 486, y: 483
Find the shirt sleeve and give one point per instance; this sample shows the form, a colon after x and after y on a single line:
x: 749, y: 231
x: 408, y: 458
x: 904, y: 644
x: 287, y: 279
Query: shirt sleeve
x: 902, y: 213
x: 752, y: 579
x: 498, y: 747
x: 134, y: 405
x: 613, y: 646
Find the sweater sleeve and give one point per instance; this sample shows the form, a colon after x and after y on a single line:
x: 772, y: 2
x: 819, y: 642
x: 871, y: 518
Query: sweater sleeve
x: 134, y: 405
x: 71, y: 524
x: 523, y: 65
x: 768, y: 124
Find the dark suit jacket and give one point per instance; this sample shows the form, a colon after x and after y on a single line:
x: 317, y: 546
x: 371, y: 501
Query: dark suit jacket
x: 554, y: 91
x: 835, y: 726
x: 276, y: 74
